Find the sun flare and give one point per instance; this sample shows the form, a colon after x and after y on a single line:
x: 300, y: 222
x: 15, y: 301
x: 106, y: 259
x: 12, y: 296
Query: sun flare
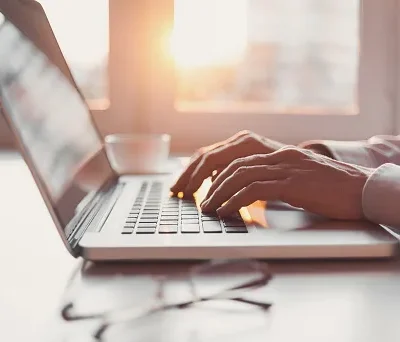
x: 209, y: 32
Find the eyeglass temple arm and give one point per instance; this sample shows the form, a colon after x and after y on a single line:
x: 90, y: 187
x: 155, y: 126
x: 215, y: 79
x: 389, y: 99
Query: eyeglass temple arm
x: 69, y: 316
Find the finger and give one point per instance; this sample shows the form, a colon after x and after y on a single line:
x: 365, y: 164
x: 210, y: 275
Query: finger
x: 185, y: 175
x: 183, y: 179
x: 232, y: 168
x: 242, y: 178
x: 269, y: 190
x: 216, y: 159
x: 282, y: 156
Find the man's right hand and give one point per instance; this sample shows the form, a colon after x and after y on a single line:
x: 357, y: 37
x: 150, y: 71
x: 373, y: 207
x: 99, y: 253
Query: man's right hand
x: 218, y: 156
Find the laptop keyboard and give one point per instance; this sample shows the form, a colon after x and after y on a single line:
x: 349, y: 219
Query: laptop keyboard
x: 154, y: 213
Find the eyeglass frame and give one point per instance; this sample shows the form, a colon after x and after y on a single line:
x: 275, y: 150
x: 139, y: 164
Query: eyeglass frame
x: 123, y: 314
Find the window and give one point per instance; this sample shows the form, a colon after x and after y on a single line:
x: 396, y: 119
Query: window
x: 266, y: 55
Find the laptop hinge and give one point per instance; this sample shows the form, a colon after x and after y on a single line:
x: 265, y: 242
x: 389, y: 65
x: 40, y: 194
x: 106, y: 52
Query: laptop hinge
x: 95, y: 215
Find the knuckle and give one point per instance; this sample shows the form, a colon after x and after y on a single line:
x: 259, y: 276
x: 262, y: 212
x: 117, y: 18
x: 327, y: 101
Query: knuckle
x: 207, y: 157
x: 292, y: 151
x: 259, y: 157
x: 200, y: 150
x: 254, y: 187
x: 240, y: 170
x: 238, y: 162
x: 245, y: 132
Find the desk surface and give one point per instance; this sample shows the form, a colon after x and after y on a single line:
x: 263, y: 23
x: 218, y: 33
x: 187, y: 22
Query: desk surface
x: 313, y: 301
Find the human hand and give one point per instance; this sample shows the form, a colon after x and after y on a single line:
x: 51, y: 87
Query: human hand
x: 301, y: 178
x: 218, y: 156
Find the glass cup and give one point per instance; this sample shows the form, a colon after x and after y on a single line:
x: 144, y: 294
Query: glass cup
x: 138, y: 153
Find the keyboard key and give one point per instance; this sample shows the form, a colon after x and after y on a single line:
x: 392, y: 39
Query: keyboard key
x: 169, y: 217
x: 127, y: 230
x: 189, y: 213
x: 169, y: 203
x: 234, y: 223
x: 149, y: 216
x: 186, y: 209
x: 209, y: 218
x: 145, y: 220
x: 169, y: 213
x: 147, y: 225
x: 129, y: 225
x: 130, y: 220
x: 212, y: 227
x: 188, y: 204
x: 190, y: 221
x: 189, y: 208
x: 170, y: 209
x: 188, y: 201
x: 152, y: 212
x: 167, y: 223
x: 168, y: 229
x: 135, y: 211
x: 152, y: 207
x: 241, y: 229
x: 191, y: 216
x: 190, y: 228
x: 145, y: 230
x: 233, y: 218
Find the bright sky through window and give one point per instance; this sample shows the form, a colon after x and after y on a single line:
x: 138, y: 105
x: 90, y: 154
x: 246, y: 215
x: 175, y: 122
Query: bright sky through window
x: 200, y: 38
x: 81, y: 28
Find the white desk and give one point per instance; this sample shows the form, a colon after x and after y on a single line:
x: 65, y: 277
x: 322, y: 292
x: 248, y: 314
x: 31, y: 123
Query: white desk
x: 33, y: 261
x: 313, y: 301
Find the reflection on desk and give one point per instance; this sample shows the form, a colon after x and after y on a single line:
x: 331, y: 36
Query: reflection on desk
x: 314, y: 301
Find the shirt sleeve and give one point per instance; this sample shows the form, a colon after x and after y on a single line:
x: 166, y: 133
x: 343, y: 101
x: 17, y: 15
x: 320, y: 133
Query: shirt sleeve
x: 372, y: 153
x: 381, y: 196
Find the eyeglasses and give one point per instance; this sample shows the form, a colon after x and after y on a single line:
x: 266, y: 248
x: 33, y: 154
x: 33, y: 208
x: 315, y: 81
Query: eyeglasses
x: 210, y: 281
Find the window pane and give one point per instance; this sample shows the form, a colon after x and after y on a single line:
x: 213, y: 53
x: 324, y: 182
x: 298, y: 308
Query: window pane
x: 82, y: 31
x: 267, y: 55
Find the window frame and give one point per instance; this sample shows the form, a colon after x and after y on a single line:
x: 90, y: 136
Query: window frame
x: 377, y: 87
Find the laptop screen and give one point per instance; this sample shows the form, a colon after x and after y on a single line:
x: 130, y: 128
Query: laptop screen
x: 52, y: 122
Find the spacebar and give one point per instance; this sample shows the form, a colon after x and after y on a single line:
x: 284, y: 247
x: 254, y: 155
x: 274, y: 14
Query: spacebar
x: 190, y: 228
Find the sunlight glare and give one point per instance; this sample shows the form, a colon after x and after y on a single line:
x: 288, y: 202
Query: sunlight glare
x: 209, y: 32
x: 81, y: 28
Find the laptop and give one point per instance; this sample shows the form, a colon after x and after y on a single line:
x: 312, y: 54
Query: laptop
x: 103, y: 216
